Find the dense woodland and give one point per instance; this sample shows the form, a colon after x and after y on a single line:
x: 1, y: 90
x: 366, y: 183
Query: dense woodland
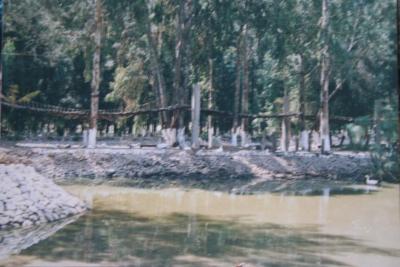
x: 332, y: 62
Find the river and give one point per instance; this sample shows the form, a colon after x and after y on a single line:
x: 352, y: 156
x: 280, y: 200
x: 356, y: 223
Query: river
x: 176, y: 227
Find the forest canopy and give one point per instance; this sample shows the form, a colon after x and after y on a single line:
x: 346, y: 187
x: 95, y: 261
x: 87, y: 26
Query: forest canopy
x: 320, y: 58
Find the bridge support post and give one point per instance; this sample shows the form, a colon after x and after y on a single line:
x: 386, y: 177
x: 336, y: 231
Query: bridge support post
x: 92, y: 138
x: 85, y: 137
x: 305, y: 140
x: 195, y: 116
x: 285, y: 133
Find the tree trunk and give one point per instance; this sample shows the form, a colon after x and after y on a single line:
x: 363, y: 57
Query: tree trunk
x: 2, y: 22
x: 1, y: 89
x: 325, y: 76
x: 94, y: 107
x: 187, y: 70
x: 187, y: 66
x: 398, y: 81
x: 367, y: 138
x: 236, y: 107
x: 176, y: 120
x: 245, y: 91
x: 210, y: 103
x: 157, y: 74
x: 377, y: 122
x: 182, y: 65
x: 304, y: 134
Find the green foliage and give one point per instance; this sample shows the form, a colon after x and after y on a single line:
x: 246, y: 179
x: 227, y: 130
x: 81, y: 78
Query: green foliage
x: 15, y: 97
x: 128, y: 85
x: 48, y: 45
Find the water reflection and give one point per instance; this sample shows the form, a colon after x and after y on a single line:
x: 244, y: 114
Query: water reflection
x: 179, y: 240
x: 133, y: 227
x: 13, y: 241
x: 313, y: 187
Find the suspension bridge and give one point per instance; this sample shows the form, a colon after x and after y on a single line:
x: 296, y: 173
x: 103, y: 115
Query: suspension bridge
x: 111, y: 114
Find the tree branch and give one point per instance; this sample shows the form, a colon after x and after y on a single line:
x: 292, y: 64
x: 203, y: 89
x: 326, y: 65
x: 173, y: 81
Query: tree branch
x: 338, y: 87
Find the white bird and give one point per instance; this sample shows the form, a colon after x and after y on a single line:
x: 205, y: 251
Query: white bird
x: 370, y: 181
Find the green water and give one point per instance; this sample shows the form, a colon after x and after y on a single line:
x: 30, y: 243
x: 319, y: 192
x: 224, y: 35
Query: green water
x: 200, y: 228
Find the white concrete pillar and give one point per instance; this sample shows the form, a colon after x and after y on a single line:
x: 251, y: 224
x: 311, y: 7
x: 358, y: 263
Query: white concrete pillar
x: 196, y: 116
x: 304, y: 140
x: 92, y: 136
x: 85, y: 137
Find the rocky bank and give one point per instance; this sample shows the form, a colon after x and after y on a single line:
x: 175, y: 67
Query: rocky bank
x: 215, y: 170
x: 27, y: 198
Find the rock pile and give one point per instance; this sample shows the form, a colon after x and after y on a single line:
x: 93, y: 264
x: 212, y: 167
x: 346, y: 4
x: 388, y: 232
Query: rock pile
x: 27, y: 198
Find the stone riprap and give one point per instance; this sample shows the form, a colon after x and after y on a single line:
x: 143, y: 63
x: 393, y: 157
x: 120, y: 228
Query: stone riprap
x: 236, y: 171
x: 27, y: 198
x: 154, y: 165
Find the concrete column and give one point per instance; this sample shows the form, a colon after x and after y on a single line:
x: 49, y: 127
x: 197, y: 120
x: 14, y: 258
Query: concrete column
x: 285, y: 135
x: 85, y: 137
x: 210, y: 136
x: 92, y: 138
x: 304, y: 140
x: 196, y: 116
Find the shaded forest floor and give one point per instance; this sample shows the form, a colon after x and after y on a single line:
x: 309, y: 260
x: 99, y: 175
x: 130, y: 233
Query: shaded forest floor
x: 240, y: 171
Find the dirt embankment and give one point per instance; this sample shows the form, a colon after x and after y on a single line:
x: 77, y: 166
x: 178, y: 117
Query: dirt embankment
x: 202, y: 169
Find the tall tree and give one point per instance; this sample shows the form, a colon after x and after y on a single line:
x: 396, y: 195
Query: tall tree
x: 238, y: 78
x: 1, y: 59
x: 156, y: 67
x: 325, y: 77
x: 304, y: 135
x: 245, y: 89
x: 210, y: 102
x: 95, y: 84
x: 183, y: 24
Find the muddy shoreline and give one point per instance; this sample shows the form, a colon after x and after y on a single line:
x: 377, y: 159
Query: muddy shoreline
x: 214, y: 170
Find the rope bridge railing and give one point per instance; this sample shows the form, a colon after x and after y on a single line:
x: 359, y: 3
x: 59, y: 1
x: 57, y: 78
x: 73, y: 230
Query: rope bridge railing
x: 85, y: 113
x: 45, y: 108
x: 112, y: 114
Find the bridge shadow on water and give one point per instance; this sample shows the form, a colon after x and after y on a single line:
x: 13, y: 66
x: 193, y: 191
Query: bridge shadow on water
x: 125, y: 239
